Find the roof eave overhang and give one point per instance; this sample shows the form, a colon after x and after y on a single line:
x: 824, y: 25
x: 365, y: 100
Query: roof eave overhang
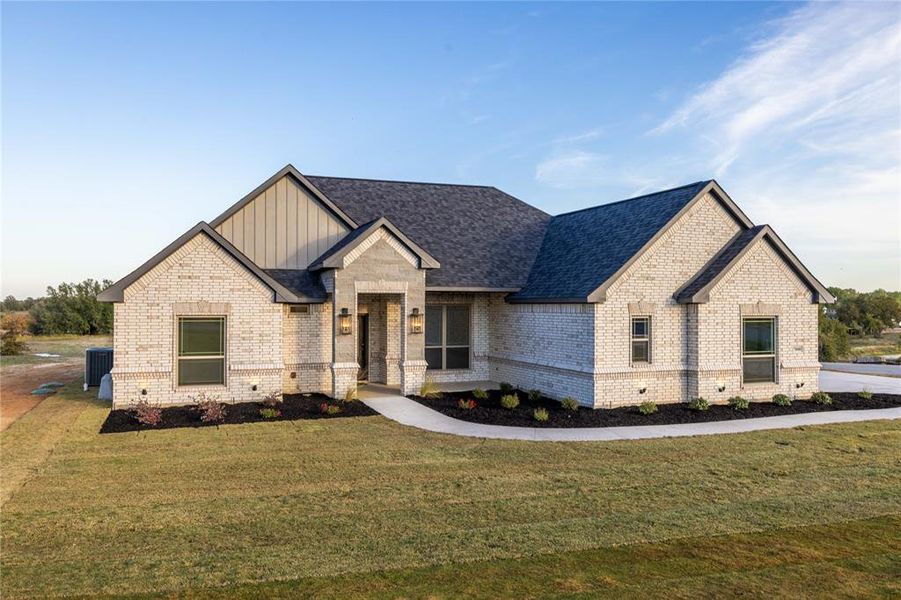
x: 819, y: 293
x: 599, y: 294
x: 336, y: 260
x: 286, y: 171
x: 545, y: 300
x: 281, y: 294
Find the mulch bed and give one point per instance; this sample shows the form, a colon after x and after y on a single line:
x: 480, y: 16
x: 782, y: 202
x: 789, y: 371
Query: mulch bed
x: 490, y: 412
x: 294, y: 407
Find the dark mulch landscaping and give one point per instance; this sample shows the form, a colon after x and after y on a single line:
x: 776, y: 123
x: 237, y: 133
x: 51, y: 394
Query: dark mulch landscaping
x: 491, y: 412
x: 294, y: 407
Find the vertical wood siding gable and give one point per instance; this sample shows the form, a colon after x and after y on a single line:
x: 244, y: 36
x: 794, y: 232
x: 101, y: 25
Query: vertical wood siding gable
x: 283, y: 228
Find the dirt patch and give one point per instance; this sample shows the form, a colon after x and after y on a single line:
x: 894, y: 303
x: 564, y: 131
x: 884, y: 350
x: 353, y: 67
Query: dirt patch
x: 294, y: 407
x: 490, y: 411
x: 17, y: 382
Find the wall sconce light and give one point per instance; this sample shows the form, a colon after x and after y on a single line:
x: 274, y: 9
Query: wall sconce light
x: 345, y: 324
x: 799, y: 385
x: 143, y: 391
x: 720, y: 386
x: 642, y: 387
x: 253, y: 387
x: 416, y: 321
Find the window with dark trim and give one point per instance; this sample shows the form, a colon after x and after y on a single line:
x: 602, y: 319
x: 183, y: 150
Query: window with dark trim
x: 201, y: 351
x: 758, y: 354
x: 447, y: 336
x: 641, y: 340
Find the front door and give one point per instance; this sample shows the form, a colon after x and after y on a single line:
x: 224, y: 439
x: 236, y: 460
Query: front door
x: 363, y: 347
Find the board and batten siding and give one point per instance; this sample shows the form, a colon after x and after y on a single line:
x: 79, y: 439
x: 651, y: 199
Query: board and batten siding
x: 283, y: 228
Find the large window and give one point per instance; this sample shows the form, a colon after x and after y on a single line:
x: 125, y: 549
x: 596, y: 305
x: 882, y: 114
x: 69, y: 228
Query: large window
x: 759, y: 350
x: 201, y: 351
x: 447, y: 336
x: 641, y: 339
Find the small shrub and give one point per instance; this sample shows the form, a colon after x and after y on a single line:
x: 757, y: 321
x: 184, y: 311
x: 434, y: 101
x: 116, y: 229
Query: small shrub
x: 510, y: 401
x: 647, y: 407
x: 535, y: 395
x: 329, y: 409
x: 429, y: 390
x: 864, y: 394
x: 351, y: 394
x: 738, y: 403
x: 540, y: 414
x: 506, y: 388
x: 480, y: 394
x: 821, y: 398
x: 782, y: 400
x: 466, y: 404
x: 570, y: 404
x: 272, y: 400
x: 209, y: 408
x: 146, y: 413
x: 270, y: 413
x: 698, y: 404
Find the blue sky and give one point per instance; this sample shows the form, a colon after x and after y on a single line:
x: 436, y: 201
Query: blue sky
x: 125, y: 124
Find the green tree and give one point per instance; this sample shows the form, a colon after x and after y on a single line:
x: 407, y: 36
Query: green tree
x: 833, y: 339
x: 73, y: 308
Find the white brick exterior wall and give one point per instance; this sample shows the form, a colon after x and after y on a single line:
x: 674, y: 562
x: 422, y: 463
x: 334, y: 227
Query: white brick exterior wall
x: 197, y: 279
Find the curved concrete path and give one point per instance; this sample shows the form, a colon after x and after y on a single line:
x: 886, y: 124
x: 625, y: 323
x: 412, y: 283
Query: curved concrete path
x: 407, y: 412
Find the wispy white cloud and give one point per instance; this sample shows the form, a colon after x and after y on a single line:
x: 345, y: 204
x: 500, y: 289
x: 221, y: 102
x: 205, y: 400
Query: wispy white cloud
x: 584, y: 136
x: 572, y: 170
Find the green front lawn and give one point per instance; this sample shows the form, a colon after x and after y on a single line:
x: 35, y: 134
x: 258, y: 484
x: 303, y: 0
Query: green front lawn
x: 365, y: 506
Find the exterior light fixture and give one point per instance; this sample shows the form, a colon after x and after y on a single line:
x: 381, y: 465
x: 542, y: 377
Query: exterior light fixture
x: 416, y: 321
x: 720, y: 386
x: 345, y: 324
x: 254, y: 387
x: 144, y: 391
x: 800, y: 384
x: 642, y: 387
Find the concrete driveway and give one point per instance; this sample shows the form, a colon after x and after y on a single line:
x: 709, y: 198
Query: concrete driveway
x: 837, y: 381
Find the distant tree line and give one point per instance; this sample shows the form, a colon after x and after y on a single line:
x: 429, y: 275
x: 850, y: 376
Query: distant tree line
x: 856, y: 313
x: 69, y: 308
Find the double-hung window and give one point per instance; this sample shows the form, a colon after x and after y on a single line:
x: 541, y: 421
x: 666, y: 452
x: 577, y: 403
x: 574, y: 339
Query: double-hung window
x: 641, y: 340
x: 447, y: 336
x: 201, y: 351
x: 758, y: 350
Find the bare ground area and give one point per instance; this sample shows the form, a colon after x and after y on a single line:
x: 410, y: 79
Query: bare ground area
x: 19, y: 375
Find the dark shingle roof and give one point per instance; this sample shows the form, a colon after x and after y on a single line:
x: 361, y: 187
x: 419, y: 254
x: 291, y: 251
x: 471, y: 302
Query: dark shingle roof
x: 300, y: 281
x: 719, y: 262
x: 481, y: 236
x: 582, y: 249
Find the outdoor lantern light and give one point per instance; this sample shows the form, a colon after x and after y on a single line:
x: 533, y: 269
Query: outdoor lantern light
x: 642, y: 387
x: 416, y: 321
x: 720, y: 386
x: 345, y: 325
x: 800, y: 384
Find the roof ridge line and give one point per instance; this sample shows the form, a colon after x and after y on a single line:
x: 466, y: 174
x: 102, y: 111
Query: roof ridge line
x: 673, y: 189
x: 476, y: 185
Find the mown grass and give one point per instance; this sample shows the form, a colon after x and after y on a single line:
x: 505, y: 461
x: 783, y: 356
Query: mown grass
x: 367, y: 507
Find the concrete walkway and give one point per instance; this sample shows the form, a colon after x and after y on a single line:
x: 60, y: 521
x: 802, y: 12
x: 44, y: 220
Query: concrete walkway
x: 863, y: 368
x: 407, y: 412
x: 835, y: 381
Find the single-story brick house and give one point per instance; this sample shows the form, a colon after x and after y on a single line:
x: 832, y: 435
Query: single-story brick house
x: 314, y: 283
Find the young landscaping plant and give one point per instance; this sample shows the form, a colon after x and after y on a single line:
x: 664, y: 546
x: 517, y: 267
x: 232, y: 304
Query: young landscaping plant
x: 506, y: 388
x: 270, y: 413
x: 429, y: 390
x: 351, y: 394
x: 738, y: 403
x: 540, y: 414
x: 466, y: 404
x: 534, y: 395
x: 570, y: 404
x: 782, y: 400
x: 647, y: 407
x: 699, y: 404
x: 329, y: 409
x: 510, y: 401
x: 480, y: 394
x: 864, y: 394
x: 821, y: 398
x: 146, y: 413
x: 209, y: 408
